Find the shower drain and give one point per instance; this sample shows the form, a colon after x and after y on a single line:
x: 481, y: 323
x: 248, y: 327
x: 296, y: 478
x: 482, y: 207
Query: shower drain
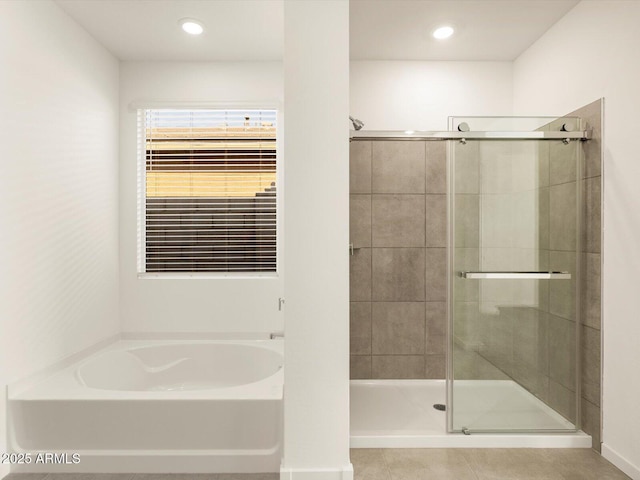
x: 440, y: 406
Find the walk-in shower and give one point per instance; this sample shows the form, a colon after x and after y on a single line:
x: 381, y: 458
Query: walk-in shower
x: 495, y: 206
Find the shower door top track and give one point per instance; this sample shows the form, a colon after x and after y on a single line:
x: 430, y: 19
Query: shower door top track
x: 479, y: 135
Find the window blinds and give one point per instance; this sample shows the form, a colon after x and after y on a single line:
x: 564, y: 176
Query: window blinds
x: 207, y: 185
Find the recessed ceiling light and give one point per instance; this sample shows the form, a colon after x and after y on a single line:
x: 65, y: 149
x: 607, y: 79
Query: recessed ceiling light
x: 443, y: 32
x: 191, y: 26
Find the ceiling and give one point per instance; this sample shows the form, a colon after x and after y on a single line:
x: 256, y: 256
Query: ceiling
x: 252, y: 30
x: 485, y: 29
x: 240, y: 30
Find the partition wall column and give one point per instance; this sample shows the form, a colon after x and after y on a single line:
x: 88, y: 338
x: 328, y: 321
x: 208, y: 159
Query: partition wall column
x: 316, y: 197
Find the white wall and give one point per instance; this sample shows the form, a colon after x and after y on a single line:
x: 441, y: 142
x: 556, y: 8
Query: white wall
x: 398, y: 95
x: 219, y: 305
x: 58, y: 190
x: 590, y: 53
x: 189, y: 305
x: 316, y: 76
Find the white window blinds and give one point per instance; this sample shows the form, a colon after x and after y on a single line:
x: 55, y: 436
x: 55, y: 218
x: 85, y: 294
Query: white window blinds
x: 207, y: 190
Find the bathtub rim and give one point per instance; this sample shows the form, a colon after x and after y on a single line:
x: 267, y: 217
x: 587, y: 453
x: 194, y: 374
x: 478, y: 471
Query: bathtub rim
x: 59, y: 382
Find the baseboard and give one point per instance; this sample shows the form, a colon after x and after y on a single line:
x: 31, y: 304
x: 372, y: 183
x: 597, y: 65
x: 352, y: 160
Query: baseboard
x: 160, y: 462
x: 622, y: 463
x: 345, y: 473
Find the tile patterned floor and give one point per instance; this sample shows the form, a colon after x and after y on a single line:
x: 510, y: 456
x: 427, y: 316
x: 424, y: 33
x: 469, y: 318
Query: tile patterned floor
x: 482, y: 464
x: 425, y: 464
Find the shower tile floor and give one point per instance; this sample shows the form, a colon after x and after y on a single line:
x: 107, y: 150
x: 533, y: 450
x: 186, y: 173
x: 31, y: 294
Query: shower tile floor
x: 425, y: 464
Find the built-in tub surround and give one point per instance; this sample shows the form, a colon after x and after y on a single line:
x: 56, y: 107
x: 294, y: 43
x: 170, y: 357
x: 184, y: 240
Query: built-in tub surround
x: 158, y: 406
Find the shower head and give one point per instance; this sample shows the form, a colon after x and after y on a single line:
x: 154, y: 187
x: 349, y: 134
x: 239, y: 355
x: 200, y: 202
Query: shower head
x: 357, y: 124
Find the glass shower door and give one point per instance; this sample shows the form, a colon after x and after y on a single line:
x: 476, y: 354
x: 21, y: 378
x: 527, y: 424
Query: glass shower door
x: 514, y: 218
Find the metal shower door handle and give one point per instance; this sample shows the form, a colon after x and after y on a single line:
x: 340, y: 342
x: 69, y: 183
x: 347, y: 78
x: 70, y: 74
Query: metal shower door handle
x: 516, y: 275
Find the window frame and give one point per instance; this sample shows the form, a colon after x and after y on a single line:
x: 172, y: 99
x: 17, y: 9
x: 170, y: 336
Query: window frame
x: 140, y: 111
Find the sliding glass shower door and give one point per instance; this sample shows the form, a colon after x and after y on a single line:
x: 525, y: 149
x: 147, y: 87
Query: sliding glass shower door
x: 513, y: 291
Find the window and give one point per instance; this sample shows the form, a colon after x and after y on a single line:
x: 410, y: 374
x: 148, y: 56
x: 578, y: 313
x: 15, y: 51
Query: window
x: 207, y: 191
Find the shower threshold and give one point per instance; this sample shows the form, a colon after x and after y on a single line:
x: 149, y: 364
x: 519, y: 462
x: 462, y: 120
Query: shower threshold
x: 401, y: 414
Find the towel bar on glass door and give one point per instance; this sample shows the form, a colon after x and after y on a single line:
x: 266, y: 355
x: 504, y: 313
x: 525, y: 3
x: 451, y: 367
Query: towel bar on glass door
x: 516, y: 275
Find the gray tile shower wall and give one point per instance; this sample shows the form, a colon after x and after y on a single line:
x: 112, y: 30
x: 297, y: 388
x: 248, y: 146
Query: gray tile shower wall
x: 562, y: 256
x: 398, y: 269
x: 591, y: 314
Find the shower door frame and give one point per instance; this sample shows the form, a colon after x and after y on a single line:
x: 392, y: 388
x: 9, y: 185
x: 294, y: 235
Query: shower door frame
x: 461, y: 136
x: 581, y: 135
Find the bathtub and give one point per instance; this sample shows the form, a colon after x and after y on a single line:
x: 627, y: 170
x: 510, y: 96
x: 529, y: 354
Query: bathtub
x: 157, y: 406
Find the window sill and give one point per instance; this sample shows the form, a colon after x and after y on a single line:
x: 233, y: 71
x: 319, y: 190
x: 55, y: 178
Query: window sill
x: 208, y: 276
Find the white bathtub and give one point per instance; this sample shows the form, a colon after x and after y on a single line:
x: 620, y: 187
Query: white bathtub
x: 158, y: 406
